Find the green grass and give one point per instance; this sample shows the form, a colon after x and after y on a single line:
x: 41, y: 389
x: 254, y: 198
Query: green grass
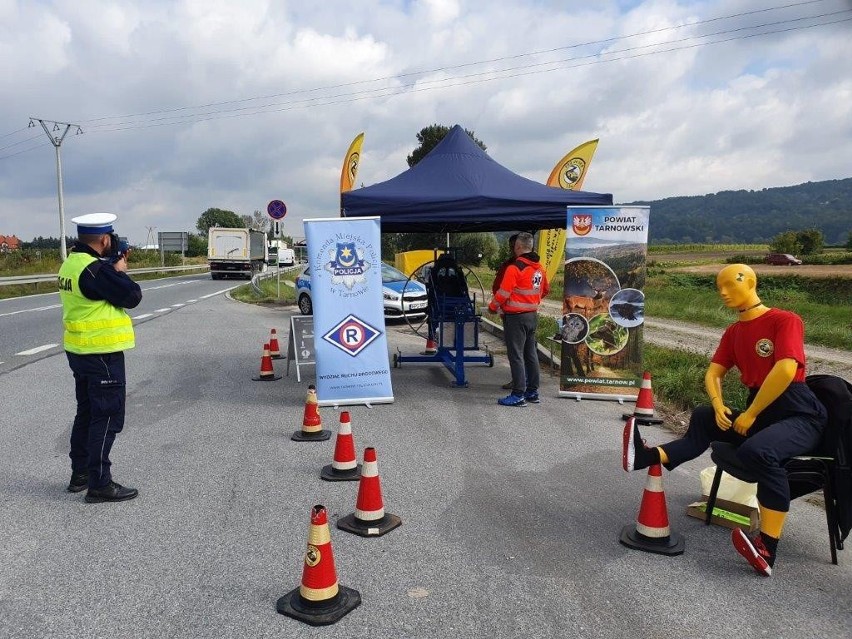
x: 269, y: 292
x: 678, y: 378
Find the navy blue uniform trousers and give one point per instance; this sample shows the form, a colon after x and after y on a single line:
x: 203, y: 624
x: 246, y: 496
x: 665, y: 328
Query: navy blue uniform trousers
x: 791, y: 425
x: 99, y: 384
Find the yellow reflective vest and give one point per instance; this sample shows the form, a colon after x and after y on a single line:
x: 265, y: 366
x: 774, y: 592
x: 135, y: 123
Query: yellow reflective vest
x: 91, y: 326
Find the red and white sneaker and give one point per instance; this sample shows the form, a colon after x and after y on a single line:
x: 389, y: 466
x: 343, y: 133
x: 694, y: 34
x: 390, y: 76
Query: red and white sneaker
x: 634, y: 454
x: 754, y: 552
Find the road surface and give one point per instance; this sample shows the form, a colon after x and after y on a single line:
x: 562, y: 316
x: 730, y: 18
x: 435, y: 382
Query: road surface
x: 511, y: 516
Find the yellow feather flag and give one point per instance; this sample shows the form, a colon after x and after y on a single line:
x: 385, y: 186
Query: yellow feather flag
x: 568, y: 173
x: 350, y: 164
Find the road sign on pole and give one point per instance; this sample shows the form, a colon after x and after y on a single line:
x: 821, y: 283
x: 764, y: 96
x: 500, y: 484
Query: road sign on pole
x: 276, y: 228
x: 276, y: 209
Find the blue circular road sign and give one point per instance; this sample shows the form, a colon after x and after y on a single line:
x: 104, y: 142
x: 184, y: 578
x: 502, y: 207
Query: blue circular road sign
x: 276, y: 209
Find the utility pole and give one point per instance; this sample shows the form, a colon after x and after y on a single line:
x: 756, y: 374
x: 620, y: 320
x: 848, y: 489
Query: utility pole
x: 56, y: 134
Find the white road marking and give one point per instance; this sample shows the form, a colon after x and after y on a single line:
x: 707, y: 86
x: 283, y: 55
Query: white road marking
x: 204, y: 297
x: 154, y: 288
x: 143, y: 316
x: 31, y: 310
x: 177, y: 305
x: 37, y: 349
x: 191, y: 301
x: 162, y: 310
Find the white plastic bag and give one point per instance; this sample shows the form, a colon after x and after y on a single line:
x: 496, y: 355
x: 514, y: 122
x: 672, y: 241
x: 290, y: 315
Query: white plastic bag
x: 730, y: 488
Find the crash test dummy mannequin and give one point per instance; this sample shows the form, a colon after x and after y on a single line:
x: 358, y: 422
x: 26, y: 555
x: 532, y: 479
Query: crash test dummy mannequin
x: 782, y: 418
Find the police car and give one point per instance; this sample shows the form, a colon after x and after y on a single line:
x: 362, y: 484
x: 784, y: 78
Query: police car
x: 393, y: 283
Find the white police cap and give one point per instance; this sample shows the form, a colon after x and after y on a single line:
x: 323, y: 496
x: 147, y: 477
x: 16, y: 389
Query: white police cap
x: 94, y: 223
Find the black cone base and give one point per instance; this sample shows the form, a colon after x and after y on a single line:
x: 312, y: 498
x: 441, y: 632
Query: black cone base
x: 369, y: 529
x: 319, y: 436
x: 329, y: 473
x: 319, y: 614
x: 642, y: 420
x: 674, y: 545
x: 267, y: 378
x: 279, y: 356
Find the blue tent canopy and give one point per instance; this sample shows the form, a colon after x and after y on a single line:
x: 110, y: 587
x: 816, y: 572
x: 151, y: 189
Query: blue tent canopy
x: 457, y: 188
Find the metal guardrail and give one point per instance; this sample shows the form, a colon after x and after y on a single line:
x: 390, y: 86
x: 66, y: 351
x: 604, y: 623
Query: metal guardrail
x: 36, y: 279
x: 269, y: 273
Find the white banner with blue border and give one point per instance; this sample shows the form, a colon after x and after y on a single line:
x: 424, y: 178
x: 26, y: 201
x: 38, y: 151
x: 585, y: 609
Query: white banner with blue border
x: 352, y: 362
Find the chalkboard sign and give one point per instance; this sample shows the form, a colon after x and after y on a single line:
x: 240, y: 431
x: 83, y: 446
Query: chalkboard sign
x: 300, y: 345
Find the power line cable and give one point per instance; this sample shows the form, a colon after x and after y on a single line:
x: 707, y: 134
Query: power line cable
x: 468, y: 79
x: 459, y: 66
x: 483, y: 76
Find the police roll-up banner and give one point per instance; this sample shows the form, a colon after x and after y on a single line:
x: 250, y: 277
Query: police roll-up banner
x: 603, y: 307
x: 350, y: 343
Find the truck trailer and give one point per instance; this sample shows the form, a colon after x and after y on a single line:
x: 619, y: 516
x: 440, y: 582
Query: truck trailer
x: 235, y: 252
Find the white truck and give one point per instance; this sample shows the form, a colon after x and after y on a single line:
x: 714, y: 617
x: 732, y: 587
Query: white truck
x: 235, y: 252
x: 286, y: 257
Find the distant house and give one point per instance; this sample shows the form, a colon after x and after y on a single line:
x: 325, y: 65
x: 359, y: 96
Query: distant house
x: 9, y: 243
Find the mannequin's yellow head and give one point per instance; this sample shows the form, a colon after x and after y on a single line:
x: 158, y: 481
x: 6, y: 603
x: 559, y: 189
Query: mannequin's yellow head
x: 737, y: 286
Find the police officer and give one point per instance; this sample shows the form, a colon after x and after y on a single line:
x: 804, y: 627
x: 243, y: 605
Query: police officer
x: 95, y: 289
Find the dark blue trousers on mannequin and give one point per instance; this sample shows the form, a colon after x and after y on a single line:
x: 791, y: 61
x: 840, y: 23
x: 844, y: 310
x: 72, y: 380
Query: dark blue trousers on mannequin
x: 792, y: 425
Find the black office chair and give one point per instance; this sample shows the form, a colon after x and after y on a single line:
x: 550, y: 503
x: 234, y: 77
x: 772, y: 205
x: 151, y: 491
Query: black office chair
x: 806, y: 474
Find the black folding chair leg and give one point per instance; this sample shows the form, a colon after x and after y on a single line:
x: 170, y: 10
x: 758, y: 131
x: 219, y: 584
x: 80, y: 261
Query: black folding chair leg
x: 711, y: 498
x: 832, y: 522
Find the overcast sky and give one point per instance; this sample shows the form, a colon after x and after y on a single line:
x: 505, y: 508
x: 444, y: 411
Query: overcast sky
x: 203, y: 103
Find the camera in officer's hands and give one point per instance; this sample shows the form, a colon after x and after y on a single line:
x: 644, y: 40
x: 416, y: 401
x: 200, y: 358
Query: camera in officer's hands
x: 118, y: 248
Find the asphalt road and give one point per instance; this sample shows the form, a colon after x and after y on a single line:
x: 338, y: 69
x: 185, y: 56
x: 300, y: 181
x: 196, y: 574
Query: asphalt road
x: 511, y: 516
x: 31, y: 326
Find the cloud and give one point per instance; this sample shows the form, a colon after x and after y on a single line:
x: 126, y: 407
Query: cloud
x: 190, y: 105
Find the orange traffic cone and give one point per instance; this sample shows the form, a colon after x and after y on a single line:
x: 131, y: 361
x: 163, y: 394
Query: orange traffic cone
x: 345, y: 466
x: 267, y: 374
x: 644, y: 411
x: 651, y: 532
x: 319, y: 600
x: 369, y: 518
x: 311, y: 422
x: 274, y: 349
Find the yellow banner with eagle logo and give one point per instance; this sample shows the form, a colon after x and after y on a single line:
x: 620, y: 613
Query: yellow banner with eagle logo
x: 350, y: 164
x: 568, y: 173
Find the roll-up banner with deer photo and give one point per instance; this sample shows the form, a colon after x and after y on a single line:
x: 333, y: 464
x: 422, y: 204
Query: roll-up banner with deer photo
x: 603, y: 306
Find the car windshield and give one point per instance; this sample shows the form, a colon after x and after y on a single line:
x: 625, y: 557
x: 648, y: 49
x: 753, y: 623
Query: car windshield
x: 390, y: 274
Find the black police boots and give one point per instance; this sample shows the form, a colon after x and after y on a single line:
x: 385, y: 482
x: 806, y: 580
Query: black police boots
x: 79, y: 481
x: 111, y: 492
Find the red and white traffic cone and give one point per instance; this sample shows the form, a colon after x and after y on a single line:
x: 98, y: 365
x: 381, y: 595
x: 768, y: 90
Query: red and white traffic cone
x: 644, y: 411
x: 651, y: 532
x: 319, y: 600
x: 311, y: 421
x: 267, y: 374
x: 369, y: 518
x: 274, y: 349
x: 345, y: 466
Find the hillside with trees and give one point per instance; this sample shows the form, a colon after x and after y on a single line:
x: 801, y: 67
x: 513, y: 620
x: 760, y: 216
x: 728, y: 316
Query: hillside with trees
x: 754, y: 217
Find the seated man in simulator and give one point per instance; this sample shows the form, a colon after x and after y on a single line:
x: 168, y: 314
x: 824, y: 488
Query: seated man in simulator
x: 782, y: 419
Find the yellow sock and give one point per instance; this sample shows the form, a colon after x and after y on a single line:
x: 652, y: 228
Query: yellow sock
x: 664, y: 459
x: 771, y: 521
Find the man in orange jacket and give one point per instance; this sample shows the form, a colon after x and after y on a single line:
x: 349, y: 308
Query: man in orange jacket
x: 522, y: 287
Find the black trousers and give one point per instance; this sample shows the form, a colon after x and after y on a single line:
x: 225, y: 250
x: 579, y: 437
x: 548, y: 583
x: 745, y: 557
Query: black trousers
x: 792, y: 425
x: 99, y: 384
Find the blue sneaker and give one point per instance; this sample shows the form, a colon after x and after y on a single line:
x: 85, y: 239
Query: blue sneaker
x: 532, y: 397
x: 512, y: 400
